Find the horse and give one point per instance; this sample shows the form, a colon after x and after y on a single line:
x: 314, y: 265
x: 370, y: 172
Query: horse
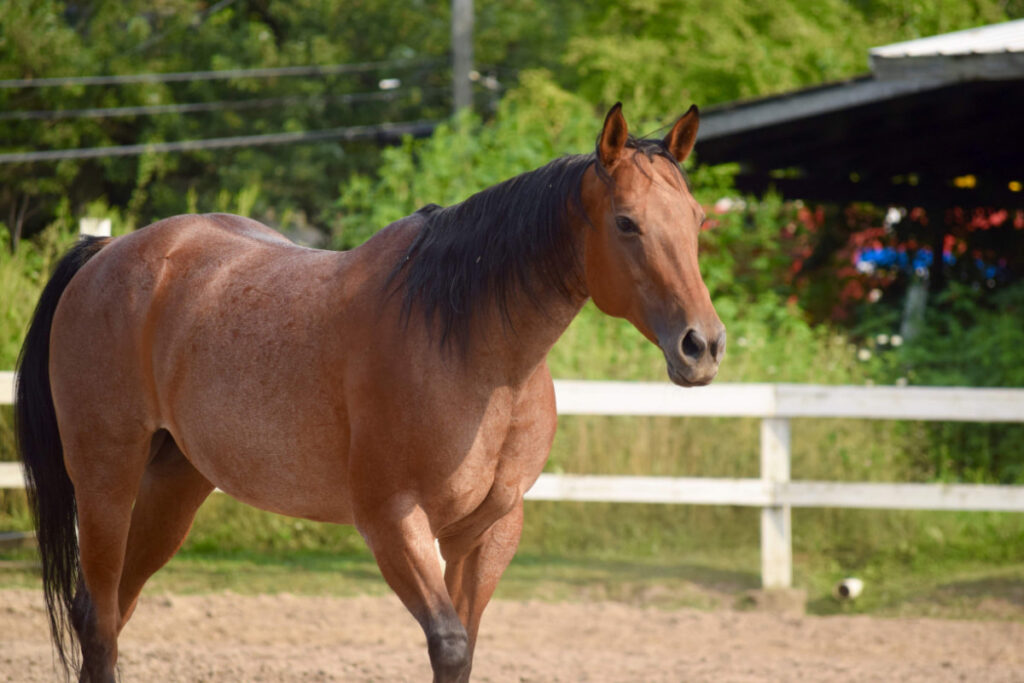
x: 400, y: 387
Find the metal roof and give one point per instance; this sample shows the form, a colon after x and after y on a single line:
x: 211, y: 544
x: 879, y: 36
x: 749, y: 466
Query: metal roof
x: 985, y: 53
x: 1005, y: 37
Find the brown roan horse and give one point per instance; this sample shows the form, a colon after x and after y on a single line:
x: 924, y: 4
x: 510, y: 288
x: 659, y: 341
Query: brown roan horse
x: 400, y: 387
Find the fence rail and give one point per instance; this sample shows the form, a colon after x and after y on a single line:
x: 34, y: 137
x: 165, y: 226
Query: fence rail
x: 773, y: 492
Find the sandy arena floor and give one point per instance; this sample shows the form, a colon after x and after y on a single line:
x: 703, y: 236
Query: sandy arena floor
x: 229, y: 637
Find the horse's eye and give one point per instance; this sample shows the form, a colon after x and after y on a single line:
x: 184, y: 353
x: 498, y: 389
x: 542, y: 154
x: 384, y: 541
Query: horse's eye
x: 626, y: 225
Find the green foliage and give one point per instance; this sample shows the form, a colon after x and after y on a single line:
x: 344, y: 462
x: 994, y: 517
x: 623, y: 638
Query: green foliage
x: 50, y: 38
x: 24, y: 273
x: 663, y: 54
x: 23, y: 276
x: 656, y: 55
x: 535, y: 123
x: 968, y: 339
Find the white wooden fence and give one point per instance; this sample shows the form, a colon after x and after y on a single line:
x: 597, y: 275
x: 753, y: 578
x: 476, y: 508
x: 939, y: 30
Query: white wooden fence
x: 773, y: 492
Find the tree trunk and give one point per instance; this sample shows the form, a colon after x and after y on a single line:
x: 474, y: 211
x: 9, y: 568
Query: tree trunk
x: 18, y: 223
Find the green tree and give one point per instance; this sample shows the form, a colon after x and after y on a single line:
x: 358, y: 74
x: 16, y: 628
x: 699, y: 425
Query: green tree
x: 661, y: 54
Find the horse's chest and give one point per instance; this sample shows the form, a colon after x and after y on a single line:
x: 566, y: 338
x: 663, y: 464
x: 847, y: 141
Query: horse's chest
x: 508, y: 453
x: 485, y: 450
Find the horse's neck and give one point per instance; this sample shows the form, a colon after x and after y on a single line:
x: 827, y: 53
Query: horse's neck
x: 521, y: 342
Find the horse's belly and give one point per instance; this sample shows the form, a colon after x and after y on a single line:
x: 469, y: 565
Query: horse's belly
x: 260, y: 418
x: 290, y: 473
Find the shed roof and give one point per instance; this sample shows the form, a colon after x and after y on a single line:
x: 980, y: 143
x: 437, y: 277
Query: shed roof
x: 937, y: 121
x: 1005, y: 37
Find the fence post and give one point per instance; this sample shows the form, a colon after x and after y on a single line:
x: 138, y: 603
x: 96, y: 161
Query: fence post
x: 97, y: 227
x: 776, y: 540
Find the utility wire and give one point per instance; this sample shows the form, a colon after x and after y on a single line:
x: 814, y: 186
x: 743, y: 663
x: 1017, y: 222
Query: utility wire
x: 270, y: 72
x: 193, y: 107
x: 382, y: 131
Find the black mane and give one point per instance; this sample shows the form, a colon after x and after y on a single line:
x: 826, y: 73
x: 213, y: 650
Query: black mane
x: 512, y: 237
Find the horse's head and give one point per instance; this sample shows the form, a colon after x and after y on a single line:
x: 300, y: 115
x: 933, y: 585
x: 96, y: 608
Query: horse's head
x: 640, y: 255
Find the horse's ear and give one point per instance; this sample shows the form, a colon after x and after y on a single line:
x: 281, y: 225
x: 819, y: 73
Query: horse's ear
x: 680, y: 139
x: 613, y: 136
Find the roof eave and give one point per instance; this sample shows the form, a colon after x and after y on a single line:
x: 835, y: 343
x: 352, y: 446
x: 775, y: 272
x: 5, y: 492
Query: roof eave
x: 980, y: 66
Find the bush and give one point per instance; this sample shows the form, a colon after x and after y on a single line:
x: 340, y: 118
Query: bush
x: 535, y: 123
x: 968, y: 339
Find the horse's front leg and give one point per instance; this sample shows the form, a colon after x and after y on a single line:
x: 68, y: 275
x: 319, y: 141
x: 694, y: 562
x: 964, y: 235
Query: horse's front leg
x: 399, y: 535
x: 474, y: 566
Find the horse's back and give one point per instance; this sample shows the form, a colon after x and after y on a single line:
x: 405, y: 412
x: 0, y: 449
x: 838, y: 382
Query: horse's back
x: 174, y: 268
x: 130, y: 267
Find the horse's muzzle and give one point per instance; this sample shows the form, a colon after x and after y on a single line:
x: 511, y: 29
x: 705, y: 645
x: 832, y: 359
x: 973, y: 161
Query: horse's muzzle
x: 693, y: 356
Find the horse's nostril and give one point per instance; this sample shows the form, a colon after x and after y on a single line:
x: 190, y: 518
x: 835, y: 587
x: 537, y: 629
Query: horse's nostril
x: 694, y: 345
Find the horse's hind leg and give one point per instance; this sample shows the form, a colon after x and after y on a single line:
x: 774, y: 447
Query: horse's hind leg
x: 172, y: 491
x: 104, y: 492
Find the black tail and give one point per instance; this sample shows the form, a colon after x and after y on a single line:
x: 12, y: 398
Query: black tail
x: 50, y: 492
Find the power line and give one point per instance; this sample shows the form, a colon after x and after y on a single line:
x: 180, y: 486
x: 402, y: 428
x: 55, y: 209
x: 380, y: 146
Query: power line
x: 194, y: 107
x: 382, y: 132
x: 270, y: 72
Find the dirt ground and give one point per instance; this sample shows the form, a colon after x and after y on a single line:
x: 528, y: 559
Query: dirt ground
x: 228, y: 637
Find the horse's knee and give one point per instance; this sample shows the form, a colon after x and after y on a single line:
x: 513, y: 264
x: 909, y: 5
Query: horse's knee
x: 449, y: 654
